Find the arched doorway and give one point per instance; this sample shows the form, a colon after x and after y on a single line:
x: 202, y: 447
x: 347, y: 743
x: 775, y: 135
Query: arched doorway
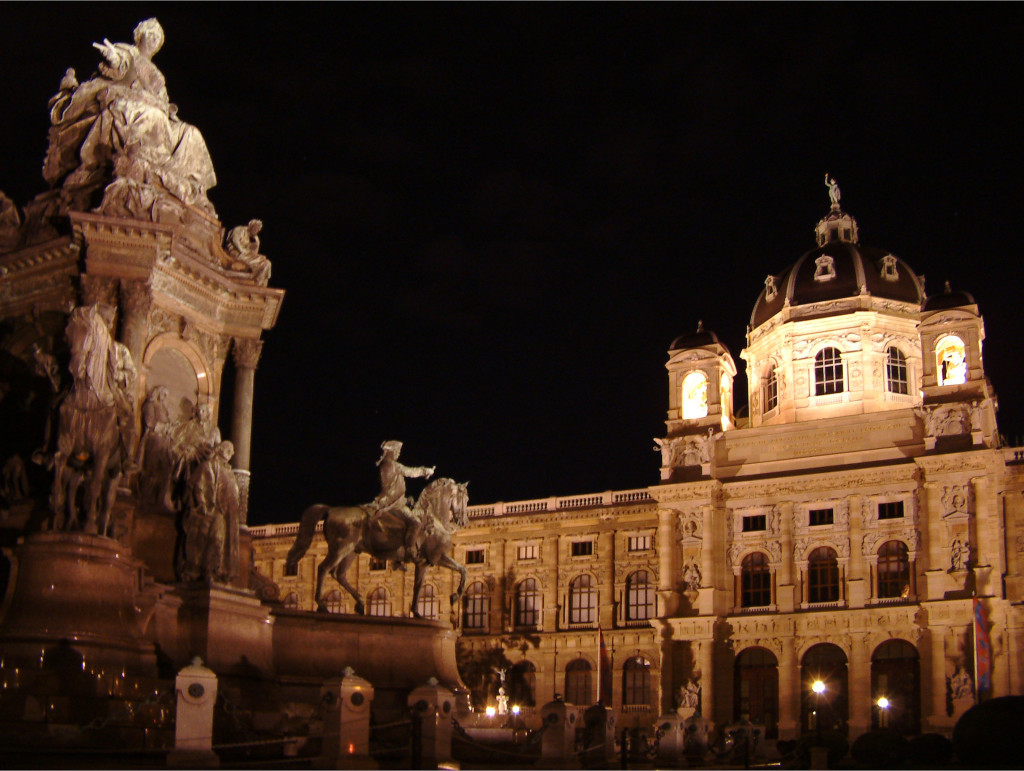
x: 756, y: 689
x: 522, y: 684
x: 896, y: 677
x: 824, y: 688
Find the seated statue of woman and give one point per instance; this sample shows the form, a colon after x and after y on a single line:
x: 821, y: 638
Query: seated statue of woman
x: 121, y: 124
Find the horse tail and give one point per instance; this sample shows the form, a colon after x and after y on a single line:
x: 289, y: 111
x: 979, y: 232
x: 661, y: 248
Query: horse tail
x: 307, y: 529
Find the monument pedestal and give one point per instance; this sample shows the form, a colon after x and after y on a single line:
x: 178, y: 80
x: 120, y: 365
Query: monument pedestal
x: 77, y: 589
x: 228, y: 628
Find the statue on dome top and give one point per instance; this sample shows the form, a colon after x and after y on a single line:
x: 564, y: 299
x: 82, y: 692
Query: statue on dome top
x: 833, y: 190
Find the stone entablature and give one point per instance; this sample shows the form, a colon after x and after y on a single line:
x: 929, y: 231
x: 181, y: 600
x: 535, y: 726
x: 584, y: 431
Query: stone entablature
x: 39, y: 278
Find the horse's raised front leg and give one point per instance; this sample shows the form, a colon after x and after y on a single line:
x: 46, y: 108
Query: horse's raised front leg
x: 340, y: 574
x: 448, y: 562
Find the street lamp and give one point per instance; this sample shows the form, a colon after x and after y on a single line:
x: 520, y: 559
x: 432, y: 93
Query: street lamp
x: 883, y: 712
x: 819, y: 688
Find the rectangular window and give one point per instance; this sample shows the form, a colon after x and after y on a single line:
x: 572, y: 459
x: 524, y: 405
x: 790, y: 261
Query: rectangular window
x: 820, y: 517
x: 892, y: 510
x: 474, y: 556
x: 527, y: 552
x: 641, y: 542
x: 582, y: 548
x: 756, y: 522
x: 376, y: 564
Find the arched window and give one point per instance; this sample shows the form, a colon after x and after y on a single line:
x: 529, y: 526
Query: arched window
x: 771, y: 390
x: 756, y: 685
x: 427, y: 604
x: 755, y: 581
x: 893, y: 569
x: 951, y: 361
x: 636, y: 681
x: 695, y: 396
x: 333, y: 602
x: 579, y: 682
x: 292, y: 601
x: 582, y: 600
x: 896, y: 676
x: 639, y: 596
x: 824, y: 663
x: 823, y: 575
x: 377, y: 604
x: 896, y: 371
x: 522, y: 684
x: 474, y: 607
x: 527, y: 603
x: 828, y: 372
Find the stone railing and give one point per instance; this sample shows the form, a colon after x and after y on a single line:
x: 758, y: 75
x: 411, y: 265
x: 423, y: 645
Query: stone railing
x: 560, y: 503
x: 500, y: 509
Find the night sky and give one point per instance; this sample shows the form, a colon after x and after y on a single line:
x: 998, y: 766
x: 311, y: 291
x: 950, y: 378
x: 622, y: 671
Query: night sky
x: 491, y: 220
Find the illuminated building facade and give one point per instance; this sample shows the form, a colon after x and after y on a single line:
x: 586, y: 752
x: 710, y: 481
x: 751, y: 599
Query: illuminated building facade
x: 834, y: 534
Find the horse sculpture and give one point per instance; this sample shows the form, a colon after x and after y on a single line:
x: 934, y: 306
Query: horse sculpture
x: 442, y: 507
x: 90, y: 447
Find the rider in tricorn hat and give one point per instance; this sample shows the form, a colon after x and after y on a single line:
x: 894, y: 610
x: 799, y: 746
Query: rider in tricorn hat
x: 392, y: 493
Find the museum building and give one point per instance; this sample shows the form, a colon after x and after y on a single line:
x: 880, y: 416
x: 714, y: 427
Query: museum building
x: 836, y: 535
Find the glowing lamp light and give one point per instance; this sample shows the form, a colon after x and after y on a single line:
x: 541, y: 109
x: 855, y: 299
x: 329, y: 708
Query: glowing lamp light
x: 491, y: 711
x: 515, y: 709
x: 883, y: 702
x: 818, y: 687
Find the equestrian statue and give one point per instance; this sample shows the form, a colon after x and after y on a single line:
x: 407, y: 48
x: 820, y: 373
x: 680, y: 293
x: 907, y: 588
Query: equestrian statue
x: 392, y: 527
x: 96, y: 423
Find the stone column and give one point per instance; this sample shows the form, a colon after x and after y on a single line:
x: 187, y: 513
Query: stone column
x: 789, y: 690
x: 668, y: 568
x: 785, y: 593
x: 246, y: 354
x: 135, y: 302
x: 859, y: 681
x: 706, y: 660
x: 937, y: 691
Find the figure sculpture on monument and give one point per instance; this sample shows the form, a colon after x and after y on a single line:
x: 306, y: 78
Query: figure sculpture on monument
x: 210, y: 524
x: 391, y: 499
x: 154, y: 458
x: 94, y: 439
x: 243, y: 243
x: 122, y: 121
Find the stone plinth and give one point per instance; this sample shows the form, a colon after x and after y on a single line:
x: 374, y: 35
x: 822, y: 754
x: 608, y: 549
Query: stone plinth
x: 79, y: 588
x: 672, y: 744
x: 228, y: 628
x: 559, y: 740
x: 346, y: 742
x: 395, y: 654
x: 433, y: 705
x: 196, y: 690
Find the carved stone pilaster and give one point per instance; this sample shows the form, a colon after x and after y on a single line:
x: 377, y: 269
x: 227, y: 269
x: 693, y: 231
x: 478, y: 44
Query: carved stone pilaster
x: 135, y: 304
x: 98, y: 289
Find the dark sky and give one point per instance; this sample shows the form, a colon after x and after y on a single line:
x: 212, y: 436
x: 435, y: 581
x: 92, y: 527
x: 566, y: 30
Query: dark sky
x: 491, y: 220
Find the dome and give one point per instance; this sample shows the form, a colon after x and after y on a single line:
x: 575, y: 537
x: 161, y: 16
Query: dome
x: 839, y: 267
x: 699, y: 339
x: 948, y: 299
